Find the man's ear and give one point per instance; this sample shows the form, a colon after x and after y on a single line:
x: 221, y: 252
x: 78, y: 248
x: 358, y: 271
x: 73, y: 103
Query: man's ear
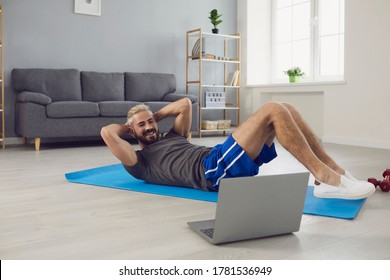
x: 131, y: 130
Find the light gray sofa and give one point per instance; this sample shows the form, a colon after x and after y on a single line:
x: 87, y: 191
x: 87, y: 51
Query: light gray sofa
x: 72, y: 103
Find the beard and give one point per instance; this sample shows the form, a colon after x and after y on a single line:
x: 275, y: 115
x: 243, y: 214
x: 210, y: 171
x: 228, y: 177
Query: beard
x: 148, y: 137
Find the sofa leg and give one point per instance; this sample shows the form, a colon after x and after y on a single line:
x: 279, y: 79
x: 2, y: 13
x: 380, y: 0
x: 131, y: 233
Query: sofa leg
x: 37, y: 143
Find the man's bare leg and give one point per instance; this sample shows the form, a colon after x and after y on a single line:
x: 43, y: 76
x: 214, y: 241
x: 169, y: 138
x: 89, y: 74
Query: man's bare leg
x: 312, y: 140
x: 274, y: 119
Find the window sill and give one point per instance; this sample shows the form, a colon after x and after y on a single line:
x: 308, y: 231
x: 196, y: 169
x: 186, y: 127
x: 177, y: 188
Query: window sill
x: 298, y: 84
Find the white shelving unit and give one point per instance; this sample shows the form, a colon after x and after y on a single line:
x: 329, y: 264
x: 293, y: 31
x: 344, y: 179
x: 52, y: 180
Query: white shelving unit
x: 214, y: 58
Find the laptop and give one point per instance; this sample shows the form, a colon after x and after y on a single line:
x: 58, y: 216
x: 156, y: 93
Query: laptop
x: 255, y: 207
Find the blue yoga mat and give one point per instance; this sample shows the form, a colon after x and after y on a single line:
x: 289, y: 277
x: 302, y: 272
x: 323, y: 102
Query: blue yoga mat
x: 115, y: 176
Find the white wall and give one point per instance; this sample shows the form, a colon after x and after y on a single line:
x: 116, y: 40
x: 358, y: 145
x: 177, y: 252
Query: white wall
x: 130, y: 35
x: 354, y: 113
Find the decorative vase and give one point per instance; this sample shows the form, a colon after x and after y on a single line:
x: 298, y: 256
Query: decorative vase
x: 294, y: 79
x: 215, y: 30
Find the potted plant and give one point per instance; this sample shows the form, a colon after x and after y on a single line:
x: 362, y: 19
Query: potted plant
x: 214, y: 18
x: 294, y: 74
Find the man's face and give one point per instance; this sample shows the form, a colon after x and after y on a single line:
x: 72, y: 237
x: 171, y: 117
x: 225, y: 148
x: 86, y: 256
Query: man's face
x: 145, y: 127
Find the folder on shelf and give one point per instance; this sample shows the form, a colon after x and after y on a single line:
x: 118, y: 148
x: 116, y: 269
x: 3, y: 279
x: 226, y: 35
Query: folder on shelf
x: 196, y: 50
x: 196, y: 47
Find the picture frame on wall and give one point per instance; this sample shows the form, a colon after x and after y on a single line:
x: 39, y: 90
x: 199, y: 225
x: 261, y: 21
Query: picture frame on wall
x: 87, y: 7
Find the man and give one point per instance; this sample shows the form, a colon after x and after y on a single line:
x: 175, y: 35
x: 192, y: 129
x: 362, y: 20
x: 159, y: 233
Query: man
x: 172, y: 160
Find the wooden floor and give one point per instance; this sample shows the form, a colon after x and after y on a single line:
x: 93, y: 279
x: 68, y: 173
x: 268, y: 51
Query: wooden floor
x: 42, y: 216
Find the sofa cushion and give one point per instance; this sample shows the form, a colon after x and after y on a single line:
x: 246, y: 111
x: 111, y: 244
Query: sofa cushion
x: 172, y: 97
x: 71, y: 109
x: 116, y: 108
x: 155, y: 106
x: 148, y: 86
x: 102, y: 86
x: 34, y: 97
x: 58, y: 84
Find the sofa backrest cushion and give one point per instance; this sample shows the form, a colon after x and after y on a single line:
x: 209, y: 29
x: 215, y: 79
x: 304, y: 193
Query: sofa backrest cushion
x: 116, y: 108
x: 58, y: 84
x: 145, y: 87
x: 99, y: 86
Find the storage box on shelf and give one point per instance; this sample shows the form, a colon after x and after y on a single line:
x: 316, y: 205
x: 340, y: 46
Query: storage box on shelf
x: 214, y: 99
x: 213, y: 74
x: 224, y: 124
x: 209, y: 125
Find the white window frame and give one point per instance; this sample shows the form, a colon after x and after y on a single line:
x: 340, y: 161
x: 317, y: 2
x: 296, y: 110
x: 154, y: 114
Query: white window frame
x: 314, y: 74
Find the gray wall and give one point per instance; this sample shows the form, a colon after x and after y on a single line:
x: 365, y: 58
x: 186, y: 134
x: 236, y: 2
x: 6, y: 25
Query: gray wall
x: 130, y: 35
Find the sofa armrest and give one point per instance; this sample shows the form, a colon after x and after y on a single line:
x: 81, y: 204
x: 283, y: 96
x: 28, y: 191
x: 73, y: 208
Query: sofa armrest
x: 34, y: 97
x: 171, y: 97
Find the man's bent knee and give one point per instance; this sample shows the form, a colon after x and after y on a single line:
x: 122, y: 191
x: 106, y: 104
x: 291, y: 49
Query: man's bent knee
x: 289, y: 106
x: 272, y: 108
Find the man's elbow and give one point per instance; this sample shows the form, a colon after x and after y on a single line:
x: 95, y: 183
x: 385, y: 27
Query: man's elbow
x: 104, y: 133
x: 183, y: 106
x: 187, y: 103
x: 187, y: 107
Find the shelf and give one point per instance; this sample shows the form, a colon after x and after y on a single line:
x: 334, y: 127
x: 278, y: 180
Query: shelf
x: 190, y: 58
x: 195, y: 84
x: 216, y: 69
x: 220, y: 61
x: 222, y: 36
x: 220, y: 108
x: 219, y: 86
x: 231, y: 129
x: 194, y: 33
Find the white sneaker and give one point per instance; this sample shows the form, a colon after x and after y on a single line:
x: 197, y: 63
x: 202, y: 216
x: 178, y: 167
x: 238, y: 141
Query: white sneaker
x: 349, y: 176
x: 348, y: 189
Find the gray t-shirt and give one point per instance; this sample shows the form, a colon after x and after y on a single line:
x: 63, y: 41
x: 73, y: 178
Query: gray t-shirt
x: 172, y: 161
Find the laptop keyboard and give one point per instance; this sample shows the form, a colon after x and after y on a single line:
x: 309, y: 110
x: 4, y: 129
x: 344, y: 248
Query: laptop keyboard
x: 208, y: 231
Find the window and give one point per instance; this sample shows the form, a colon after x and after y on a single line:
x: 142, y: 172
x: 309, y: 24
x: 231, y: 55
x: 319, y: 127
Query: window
x: 308, y: 34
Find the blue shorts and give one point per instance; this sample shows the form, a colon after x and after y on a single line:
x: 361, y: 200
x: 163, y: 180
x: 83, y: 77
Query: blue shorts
x: 229, y: 160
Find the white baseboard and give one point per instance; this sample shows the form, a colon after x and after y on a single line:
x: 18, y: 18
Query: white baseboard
x: 20, y: 140
x: 367, y: 143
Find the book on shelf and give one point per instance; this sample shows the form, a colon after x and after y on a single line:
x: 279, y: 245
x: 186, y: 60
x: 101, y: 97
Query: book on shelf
x: 234, y: 79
